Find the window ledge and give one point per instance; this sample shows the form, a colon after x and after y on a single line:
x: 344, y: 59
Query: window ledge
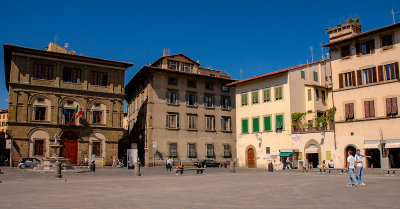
x: 226, y: 109
x: 40, y: 121
x: 210, y: 130
x: 384, y: 48
x: 267, y: 131
x: 173, y: 104
x: 173, y: 128
x: 345, y: 58
x: 42, y: 79
x: 226, y: 131
x: 209, y: 107
x: 67, y: 82
x: 192, y: 106
x: 99, y: 86
x: 191, y: 129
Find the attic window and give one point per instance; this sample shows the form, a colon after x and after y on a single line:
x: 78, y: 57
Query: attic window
x: 187, y: 67
x: 173, y: 65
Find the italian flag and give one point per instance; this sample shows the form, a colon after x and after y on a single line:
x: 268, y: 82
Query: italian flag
x: 78, y: 112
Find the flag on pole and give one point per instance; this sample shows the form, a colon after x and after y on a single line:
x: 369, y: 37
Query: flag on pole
x: 65, y: 113
x: 76, y: 109
x: 79, y: 114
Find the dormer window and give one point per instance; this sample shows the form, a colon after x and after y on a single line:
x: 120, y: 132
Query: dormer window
x: 186, y: 67
x: 173, y: 65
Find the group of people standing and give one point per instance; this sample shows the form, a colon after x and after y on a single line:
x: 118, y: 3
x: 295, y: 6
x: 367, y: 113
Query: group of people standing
x: 354, y: 163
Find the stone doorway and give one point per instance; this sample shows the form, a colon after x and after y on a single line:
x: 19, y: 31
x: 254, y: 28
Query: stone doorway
x: 70, y: 148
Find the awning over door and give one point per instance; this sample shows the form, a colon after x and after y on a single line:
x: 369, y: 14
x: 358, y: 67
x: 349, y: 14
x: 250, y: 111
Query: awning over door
x: 371, y: 145
x: 311, y: 150
x: 285, y: 153
x: 392, y: 145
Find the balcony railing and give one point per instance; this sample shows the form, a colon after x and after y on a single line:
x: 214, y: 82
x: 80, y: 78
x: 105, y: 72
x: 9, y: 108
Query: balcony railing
x: 298, y: 129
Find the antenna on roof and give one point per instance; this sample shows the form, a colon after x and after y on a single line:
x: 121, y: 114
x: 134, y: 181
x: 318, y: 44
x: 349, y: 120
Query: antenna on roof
x: 322, y: 51
x: 55, y: 38
x: 393, y: 14
x: 312, y: 55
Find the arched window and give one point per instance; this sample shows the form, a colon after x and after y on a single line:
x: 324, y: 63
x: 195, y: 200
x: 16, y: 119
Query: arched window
x: 69, y: 112
x: 41, y: 109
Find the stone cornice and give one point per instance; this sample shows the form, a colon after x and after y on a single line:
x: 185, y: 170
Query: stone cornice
x: 47, y: 125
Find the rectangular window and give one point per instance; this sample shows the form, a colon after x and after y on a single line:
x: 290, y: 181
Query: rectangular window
x: 191, y: 83
x: 226, y: 124
x: 225, y: 102
x: 173, y: 150
x: 323, y: 96
x: 96, y: 149
x: 387, y: 40
x: 173, y: 65
x: 209, y: 86
x: 267, y: 123
x: 345, y: 51
x: 309, y: 92
x: 303, y: 74
x: 254, y: 97
x: 367, y: 47
x: 390, y: 72
x: 69, y: 117
x: 367, y: 74
x: 349, y: 111
x: 267, y: 95
x: 209, y: 101
x: 192, y: 152
x: 40, y: 113
x: 278, y: 93
x: 349, y: 79
x: 39, y: 147
x: 315, y: 76
x: 210, y: 150
x: 72, y: 75
x: 391, y: 106
x: 244, y: 99
x: 210, y: 123
x: 41, y: 71
x: 279, y: 122
x: 172, y: 81
x: 97, y: 117
x: 256, y: 124
x: 369, y: 109
x: 245, y: 126
x: 187, y: 67
x: 267, y: 150
x: 99, y: 78
x: 192, y: 122
x: 316, y: 94
x: 224, y: 88
x: 192, y: 99
x: 227, y: 151
x: 172, y: 121
x: 172, y: 97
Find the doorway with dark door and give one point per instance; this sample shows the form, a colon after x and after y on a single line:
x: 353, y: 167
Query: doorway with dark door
x: 375, y: 160
x: 70, y: 149
x: 313, y: 160
x: 251, y: 162
x: 353, y: 150
x: 394, y: 157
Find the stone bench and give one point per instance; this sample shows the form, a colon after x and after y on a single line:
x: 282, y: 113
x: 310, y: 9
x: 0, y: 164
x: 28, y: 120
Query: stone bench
x: 179, y: 171
x: 323, y: 170
x: 388, y: 171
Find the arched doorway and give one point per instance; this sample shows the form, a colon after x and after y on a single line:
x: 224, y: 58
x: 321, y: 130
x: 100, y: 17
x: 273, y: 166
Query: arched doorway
x: 346, y: 152
x: 70, y: 149
x: 251, y: 161
x: 312, y: 151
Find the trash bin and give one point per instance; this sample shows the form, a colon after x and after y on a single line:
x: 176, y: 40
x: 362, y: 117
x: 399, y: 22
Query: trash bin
x: 270, y: 167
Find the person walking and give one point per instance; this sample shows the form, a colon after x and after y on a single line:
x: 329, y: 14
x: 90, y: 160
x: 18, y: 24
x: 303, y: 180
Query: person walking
x: 360, y: 167
x: 114, y: 161
x: 350, y: 169
x: 288, y: 163
x: 168, y: 164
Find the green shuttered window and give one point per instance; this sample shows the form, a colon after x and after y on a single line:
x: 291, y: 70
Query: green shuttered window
x: 267, y: 123
x: 245, y: 126
x: 256, y: 124
x: 244, y: 99
x: 279, y: 122
x: 267, y: 95
x: 309, y: 94
x: 254, y: 97
x: 278, y: 93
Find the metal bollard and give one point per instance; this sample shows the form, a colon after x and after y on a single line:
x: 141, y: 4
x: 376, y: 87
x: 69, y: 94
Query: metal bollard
x: 57, y: 169
x: 232, y: 166
x: 92, y: 167
x: 137, y: 169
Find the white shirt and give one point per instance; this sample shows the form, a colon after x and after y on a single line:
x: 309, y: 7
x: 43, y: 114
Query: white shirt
x: 359, y: 158
x: 168, y: 161
x: 351, y: 161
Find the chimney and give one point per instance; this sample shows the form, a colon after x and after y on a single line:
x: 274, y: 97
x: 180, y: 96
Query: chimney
x: 341, y: 32
x: 165, y: 53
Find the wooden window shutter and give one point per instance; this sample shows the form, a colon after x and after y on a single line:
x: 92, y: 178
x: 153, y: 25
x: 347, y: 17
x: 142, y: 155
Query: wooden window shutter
x: 380, y: 73
x: 358, y: 49
x: 347, y: 111
x: 354, y: 77
x: 374, y: 78
x: 351, y: 112
x: 388, y: 106
x: 340, y: 80
x: 359, y: 78
x: 167, y: 121
x: 372, y: 45
x: 366, y: 109
x: 187, y: 99
x: 396, y: 69
x: 394, y: 106
x: 371, y: 109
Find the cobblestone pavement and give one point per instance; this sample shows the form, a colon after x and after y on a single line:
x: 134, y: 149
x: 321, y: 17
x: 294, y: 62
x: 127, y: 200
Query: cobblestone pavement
x: 216, y: 188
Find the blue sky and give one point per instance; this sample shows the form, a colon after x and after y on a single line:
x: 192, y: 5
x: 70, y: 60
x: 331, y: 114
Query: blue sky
x: 244, y: 38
